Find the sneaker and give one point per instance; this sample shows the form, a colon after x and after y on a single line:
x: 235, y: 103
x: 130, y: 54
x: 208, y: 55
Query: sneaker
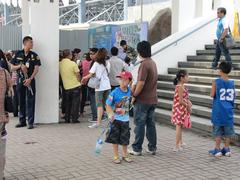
x: 215, y: 152
x: 127, y: 159
x: 92, y: 120
x: 117, y: 161
x: 226, y: 152
x: 20, y: 125
x: 132, y: 152
x: 177, y: 149
x: 150, y: 152
x: 94, y: 125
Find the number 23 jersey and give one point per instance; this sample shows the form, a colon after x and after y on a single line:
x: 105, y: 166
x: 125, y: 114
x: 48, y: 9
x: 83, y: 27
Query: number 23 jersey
x: 223, y: 103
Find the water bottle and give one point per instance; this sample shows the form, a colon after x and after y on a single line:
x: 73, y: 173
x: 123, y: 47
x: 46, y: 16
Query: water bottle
x: 99, y: 146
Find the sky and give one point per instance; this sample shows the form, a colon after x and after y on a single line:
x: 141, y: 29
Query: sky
x: 15, y: 1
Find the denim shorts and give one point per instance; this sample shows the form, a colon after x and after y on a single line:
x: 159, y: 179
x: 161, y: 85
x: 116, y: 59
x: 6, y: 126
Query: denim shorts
x: 101, y: 98
x: 223, y: 131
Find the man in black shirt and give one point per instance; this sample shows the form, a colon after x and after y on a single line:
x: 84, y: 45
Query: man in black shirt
x: 26, y: 63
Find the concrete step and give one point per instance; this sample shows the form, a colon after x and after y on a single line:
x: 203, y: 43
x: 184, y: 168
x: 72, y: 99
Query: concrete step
x: 207, y: 58
x: 203, y: 65
x: 199, y: 111
x: 194, y: 79
x: 196, y: 99
x: 193, y: 88
x: 213, y: 46
x: 235, y: 74
x: 199, y: 125
x: 212, y: 52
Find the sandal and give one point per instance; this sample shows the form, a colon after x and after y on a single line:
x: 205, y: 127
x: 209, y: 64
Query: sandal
x: 117, y: 161
x: 127, y: 159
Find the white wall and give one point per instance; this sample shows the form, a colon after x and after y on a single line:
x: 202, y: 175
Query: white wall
x: 170, y: 56
x: 45, y: 32
x: 183, y: 14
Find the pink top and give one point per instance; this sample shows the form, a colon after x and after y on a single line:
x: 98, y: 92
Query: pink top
x: 85, y: 64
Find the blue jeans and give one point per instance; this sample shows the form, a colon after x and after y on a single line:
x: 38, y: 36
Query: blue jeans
x: 144, y: 116
x: 223, y: 131
x: 91, y: 93
x: 220, y: 48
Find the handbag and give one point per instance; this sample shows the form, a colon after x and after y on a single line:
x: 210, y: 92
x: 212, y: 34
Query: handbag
x: 94, y: 82
x: 228, y: 40
x: 8, y: 101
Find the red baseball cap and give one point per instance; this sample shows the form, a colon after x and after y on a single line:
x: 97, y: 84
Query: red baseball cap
x: 125, y: 75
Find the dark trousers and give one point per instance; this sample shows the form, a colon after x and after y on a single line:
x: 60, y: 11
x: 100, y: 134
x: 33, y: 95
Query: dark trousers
x: 27, y: 103
x: 84, y: 90
x: 15, y: 101
x: 63, y: 103
x: 72, y: 104
x: 91, y: 93
x: 221, y: 48
x: 144, y: 117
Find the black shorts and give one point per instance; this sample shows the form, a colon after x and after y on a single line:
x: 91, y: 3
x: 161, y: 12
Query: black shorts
x: 119, y: 133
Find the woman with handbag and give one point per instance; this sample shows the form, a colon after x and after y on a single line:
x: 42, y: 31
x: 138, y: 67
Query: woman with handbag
x: 5, y: 86
x: 99, y: 80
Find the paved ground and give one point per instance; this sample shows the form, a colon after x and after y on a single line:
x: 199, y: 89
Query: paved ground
x: 65, y: 151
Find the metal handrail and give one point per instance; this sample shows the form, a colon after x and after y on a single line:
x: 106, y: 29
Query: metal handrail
x: 184, y: 36
x: 105, y: 11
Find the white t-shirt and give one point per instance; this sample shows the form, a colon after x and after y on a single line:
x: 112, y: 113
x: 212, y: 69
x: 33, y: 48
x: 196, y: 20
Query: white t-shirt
x: 101, y: 72
x: 129, y: 68
x: 225, y: 23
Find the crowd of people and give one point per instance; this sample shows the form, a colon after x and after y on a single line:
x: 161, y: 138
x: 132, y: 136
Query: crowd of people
x: 113, y: 83
x: 77, y: 77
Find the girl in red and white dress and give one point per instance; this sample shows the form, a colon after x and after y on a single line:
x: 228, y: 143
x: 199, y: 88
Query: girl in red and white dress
x: 181, y: 108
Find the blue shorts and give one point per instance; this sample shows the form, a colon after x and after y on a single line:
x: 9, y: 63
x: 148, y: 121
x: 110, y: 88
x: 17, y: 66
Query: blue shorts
x: 223, y: 131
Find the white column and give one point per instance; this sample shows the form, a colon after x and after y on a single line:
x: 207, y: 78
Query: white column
x: 25, y: 18
x: 183, y: 14
x: 203, y: 7
x: 45, y: 32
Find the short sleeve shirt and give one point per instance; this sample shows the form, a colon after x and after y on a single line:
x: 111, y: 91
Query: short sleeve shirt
x: 120, y: 101
x: 147, y: 72
x: 222, y: 25
x: 30, y: 60
x: 68, y: 72
x: 101, y: 72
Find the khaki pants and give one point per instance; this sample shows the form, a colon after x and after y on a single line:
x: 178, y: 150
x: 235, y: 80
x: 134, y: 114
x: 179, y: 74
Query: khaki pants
x: 2, y: 157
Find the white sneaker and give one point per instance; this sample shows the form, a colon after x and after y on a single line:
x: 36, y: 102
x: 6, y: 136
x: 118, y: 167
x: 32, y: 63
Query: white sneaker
x: 150, y: 152
x: 94, y: 125
x: 92, y: 121
x: 132, y: 152
x: 175, y: 149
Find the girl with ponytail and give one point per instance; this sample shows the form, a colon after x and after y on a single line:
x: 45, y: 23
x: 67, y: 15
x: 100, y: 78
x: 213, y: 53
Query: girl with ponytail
x: 181, y: 108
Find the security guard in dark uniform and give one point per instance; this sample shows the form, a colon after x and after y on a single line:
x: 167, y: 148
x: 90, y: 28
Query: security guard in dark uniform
x: 26, y: 63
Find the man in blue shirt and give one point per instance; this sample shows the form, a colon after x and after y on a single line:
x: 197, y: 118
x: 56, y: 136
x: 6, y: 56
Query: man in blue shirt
x: 26, y: 63
x: 222, y: 32
x: 223, y: 93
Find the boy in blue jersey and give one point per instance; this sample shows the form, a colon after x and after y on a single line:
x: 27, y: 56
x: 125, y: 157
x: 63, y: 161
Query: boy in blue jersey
x: 118, y: 112
x: 223, y: 93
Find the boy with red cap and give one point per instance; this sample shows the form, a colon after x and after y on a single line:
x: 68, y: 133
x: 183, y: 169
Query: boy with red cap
x: 118, y: 112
